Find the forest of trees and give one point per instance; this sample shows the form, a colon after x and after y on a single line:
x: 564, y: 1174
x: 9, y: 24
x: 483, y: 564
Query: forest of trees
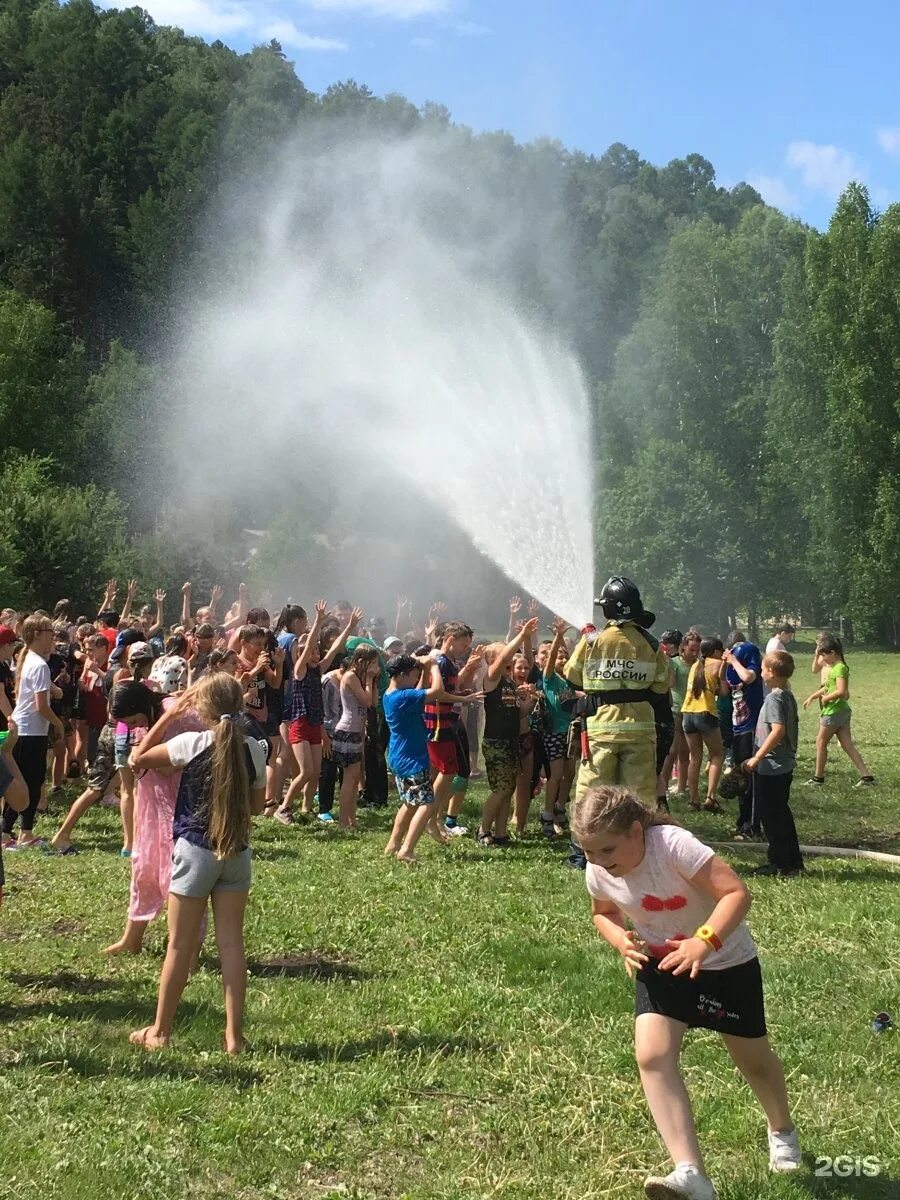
x: 745, y: 367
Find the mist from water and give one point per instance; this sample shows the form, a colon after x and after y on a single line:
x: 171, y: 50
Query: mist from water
x: 364, y: 316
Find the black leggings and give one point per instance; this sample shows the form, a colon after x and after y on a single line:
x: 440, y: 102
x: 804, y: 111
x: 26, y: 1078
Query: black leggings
x: 377, y: 732
x: 30, y: 754
x: 331, y: 777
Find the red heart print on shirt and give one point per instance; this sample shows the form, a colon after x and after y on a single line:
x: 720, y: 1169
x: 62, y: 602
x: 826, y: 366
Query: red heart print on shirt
x: 655, y: 904
x: 662, y: 951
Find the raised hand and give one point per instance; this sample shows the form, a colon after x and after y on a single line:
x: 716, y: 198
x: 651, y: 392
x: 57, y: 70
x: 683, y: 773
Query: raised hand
x: 215, y: 595
x: 515, y: 605
x: 436, y: 609
x: 402, y: 604
x: 159, y: 596
x: 560, y: 626
x: 475, y: 656
x: 355, y: 617
x: 132, y: 588
x: 530, y: 627
x: 186, y: 588
x: 534, y: 607
x: 321, y: 609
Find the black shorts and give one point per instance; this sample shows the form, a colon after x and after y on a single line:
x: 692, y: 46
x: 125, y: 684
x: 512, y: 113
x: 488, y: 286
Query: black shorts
x: 728, y: 1001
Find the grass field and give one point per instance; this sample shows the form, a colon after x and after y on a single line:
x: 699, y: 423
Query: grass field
x: 450, y: 1033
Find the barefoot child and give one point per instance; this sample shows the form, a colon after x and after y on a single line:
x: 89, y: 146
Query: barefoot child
x: 404, y: 710
x: 643, y: 867
x: 156, y: 794
x: 834, y: 709
x: 223, y: 783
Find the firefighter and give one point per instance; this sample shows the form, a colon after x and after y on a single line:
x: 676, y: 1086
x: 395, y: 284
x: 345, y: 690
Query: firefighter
x: 625, y: 677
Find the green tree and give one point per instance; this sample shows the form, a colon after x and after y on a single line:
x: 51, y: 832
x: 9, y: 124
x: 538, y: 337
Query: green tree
x: 62, y: 541
x: 41, y: 381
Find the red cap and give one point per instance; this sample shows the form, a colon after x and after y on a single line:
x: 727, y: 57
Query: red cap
x: 7, y: 636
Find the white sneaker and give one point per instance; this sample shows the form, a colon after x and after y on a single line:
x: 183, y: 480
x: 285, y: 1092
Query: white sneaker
x: 456, y: 830
x: 686, y: 1180
x: 784, y: 1151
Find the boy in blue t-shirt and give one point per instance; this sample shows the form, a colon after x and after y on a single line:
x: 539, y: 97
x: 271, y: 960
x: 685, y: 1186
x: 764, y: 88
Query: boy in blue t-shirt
x: 407, y: 755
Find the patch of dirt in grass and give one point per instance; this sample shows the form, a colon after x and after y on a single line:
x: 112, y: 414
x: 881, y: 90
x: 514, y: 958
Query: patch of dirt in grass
x: 304, y: 966
x: 66, y: 925
x: 64, y: 981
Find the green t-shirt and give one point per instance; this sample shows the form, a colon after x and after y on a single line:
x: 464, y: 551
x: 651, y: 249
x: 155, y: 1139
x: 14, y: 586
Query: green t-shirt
x: 681, y: 670
x: 840, y: 670
x: 557, y: 692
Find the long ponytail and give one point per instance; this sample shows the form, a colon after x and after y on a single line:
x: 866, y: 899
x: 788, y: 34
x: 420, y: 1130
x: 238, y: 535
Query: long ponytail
x: 830, y: 643
x: 708, y: 648
x: 219, y: 701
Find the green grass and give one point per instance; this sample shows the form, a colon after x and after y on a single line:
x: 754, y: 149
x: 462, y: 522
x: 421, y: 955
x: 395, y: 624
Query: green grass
x: 455, y: 1032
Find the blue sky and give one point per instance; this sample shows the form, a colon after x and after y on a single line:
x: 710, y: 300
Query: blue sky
x: 798, y: 98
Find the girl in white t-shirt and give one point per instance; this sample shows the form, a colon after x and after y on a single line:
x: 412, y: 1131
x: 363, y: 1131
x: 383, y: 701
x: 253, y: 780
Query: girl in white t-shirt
x: 695, y: 965
x: 34, y: 719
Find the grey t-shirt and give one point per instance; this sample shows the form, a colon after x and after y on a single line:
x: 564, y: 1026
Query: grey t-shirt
x: 779, y: 708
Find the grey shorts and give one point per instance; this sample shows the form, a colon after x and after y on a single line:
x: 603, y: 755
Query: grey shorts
x: 197, y: 872
x: 837, y: 720
x: 699, y: 722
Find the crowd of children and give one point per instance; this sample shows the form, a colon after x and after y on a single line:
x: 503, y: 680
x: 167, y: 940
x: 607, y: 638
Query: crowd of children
x: 338, y: 707
x: 206, y: 723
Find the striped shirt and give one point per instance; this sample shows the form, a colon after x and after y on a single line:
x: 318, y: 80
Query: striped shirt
x: 441, y: 720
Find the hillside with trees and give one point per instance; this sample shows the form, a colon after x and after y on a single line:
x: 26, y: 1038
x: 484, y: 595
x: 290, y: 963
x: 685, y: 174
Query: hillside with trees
x: 744, y: 367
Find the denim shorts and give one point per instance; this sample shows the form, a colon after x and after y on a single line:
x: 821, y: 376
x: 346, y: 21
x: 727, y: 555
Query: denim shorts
x: 700, y: 722
x: 196, y: 872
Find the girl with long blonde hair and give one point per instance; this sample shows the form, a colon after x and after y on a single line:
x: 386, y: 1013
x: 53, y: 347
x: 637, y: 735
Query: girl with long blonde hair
x: 223, y: 784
